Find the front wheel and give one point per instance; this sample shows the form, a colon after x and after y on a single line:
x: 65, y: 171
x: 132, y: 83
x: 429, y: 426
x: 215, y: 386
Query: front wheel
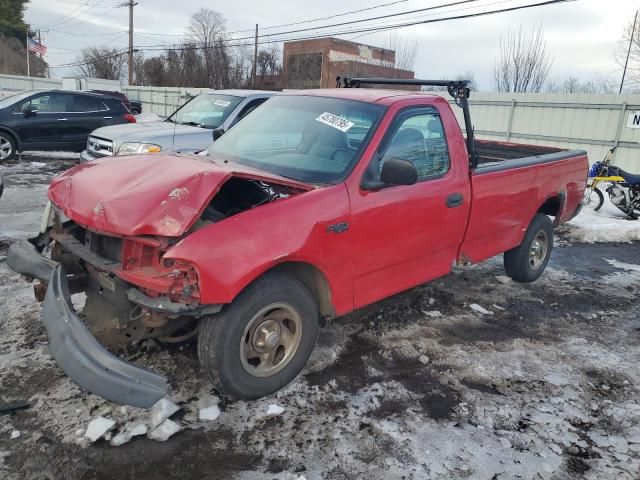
x: 526, y: 262
x: 593, y: 198
x: 262, y: 340
x: 7, y: 147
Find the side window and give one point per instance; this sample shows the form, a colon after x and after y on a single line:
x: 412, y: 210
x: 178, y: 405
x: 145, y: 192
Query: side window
x: 46, y: 103
x: 83, y: 103
x: 420, y: 139
x: 248, y: 108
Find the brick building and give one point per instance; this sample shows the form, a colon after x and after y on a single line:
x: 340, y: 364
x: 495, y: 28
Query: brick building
x: 316, y: 63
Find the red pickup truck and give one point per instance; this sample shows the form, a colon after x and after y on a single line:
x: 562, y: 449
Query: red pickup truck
x: 319, y: 203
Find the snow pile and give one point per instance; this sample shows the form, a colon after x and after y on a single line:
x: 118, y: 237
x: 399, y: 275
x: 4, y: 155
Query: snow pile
x: 164, y: 431
x: 605, y: 225
x: 131, y: 430
x: 274, y: 410
x: 98, y: 427
x: 209, y: 413
x: 161, y: 410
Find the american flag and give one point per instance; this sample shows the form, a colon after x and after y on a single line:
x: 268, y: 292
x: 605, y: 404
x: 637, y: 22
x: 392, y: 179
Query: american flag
x: 37, y: 47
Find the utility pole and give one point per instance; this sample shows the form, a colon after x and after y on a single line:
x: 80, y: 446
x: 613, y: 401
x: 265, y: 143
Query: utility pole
x: 255, y: 60
x: 27, y: 47
x: 130, y: 4
x: 633, y: 32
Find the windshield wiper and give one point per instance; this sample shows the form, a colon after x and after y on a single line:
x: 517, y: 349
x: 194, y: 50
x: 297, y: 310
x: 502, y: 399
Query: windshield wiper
x: 193, y: 124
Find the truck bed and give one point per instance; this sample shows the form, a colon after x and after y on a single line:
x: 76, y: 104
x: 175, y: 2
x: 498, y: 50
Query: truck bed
x: 493, y: 152
x: 509, y: 186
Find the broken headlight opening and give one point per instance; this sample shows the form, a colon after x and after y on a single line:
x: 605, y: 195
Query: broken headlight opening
x: 134, y: 148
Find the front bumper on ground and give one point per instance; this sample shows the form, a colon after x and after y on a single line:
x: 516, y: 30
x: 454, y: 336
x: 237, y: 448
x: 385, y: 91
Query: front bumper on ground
x: 87, y: 362
x: 25, y: 259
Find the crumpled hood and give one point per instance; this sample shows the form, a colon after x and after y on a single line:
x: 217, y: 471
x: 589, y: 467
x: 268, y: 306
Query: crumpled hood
x: 146, y: 194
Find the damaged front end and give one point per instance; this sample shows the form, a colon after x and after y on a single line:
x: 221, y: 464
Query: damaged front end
x: 133, y: 291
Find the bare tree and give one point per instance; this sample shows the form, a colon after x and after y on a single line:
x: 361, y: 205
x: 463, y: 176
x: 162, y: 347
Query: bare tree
x: 109, y: 63
x: 406, y: 50
x: 632, y: 77
x: 206, y: 31
x: 598, y: 84
x: 523, y: 63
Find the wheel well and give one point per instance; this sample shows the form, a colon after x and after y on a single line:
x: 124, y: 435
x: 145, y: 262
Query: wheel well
x: 552, y: 206
x: 314, y: 280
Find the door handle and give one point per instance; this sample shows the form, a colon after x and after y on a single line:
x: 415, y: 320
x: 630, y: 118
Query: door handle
x: 454, y: 200
x: 62, y: 119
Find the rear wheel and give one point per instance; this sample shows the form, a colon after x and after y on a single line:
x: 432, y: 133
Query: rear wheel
x: 262, y: 340
x: 526, y: 262
x: 7, y: 147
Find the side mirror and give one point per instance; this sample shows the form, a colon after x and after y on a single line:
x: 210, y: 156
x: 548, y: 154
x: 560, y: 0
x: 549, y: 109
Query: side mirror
x: 217, y: 133
x: 29, y: 110
x: 395, y: 171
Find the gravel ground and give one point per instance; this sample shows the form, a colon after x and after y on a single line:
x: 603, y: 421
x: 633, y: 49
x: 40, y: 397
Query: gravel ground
x: 422, y: 385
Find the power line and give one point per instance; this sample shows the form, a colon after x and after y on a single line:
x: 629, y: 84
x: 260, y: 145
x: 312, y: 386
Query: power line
x: 365, y: 29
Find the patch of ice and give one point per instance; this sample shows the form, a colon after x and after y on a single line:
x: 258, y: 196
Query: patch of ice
x: 432, y: 313
x: 131, y: 430
x: 480, y: 309
x: 161, y: 410
x: 503, y: 279
x: 164, y: 431
x: 15, y: 434
x: 209, y: 413
x: 274, y: 410
x: 38, y: 164
x: 98, y: 427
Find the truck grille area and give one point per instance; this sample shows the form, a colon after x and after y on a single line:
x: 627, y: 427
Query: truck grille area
x: 102, y: 245
x: 100, y: 146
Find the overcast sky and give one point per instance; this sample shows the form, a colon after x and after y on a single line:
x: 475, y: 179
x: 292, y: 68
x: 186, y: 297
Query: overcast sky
x: 581, y: 36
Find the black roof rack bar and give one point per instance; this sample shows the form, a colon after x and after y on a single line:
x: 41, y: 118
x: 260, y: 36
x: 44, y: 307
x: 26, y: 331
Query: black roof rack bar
x: 458, y: 89
x: 348, y: 82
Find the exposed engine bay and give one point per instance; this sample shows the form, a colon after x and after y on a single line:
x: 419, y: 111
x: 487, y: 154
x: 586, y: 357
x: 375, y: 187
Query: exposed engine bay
x: 239, y: 194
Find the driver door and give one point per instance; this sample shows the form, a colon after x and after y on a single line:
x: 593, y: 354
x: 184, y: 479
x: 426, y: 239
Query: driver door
x: 409, y: 234
x: 41, y: 128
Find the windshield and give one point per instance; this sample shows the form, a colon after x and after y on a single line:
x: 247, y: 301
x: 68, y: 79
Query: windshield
x: 11, y: 100
x: 206, y: 110
x: 312, y: 139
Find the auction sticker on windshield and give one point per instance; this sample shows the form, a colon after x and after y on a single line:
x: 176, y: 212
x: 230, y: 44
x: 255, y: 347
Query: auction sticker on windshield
x: 222, y: 103
x: 335, y: 121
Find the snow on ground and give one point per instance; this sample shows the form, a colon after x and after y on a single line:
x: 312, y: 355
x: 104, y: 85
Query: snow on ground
x: 606, y: 225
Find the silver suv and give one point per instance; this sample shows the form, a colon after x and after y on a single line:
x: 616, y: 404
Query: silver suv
x: 191, y: 128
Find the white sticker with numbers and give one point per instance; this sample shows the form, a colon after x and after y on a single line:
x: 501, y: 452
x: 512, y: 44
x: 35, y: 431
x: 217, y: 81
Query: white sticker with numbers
x: 335, y: 121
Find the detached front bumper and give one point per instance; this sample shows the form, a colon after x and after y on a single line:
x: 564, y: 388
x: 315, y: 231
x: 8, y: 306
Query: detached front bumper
x: 86, y: 361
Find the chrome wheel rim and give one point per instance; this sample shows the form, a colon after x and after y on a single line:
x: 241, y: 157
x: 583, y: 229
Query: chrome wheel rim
x: 5, y: 148
x: 538, y: 250
x: 270, y: 340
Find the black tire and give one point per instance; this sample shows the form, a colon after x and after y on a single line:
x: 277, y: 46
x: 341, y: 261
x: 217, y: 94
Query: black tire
x: 220, y: 338
x: 590, y: 202
x: 518, y: 262
x: 7, y: 144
